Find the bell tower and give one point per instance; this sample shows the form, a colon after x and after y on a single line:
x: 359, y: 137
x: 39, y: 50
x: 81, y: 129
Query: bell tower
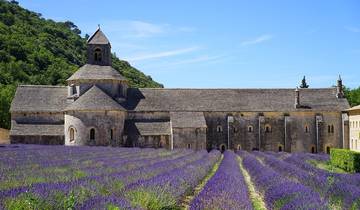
x: 99, y: 49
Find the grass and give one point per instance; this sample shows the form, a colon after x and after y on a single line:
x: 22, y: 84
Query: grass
x: 256, y: 198
x: 152, y: 200
x: 326, y: 166
x: 187, y: 200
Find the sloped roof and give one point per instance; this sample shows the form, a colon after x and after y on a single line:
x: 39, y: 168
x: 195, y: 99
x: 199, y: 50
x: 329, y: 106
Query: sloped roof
x: 94, y: 99
x: 36, y: 129
x: 39, y: 98
x: 187, y: 120
x: 96, y: 72
x: 259, y: 100
x: 152, y: 128
x: 98, y: 38
x: 354, y: 108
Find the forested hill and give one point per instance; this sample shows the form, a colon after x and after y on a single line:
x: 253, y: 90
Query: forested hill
x: 35, y: 50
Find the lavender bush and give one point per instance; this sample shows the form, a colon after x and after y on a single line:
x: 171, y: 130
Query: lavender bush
x: 280, y: 192
x: 226, y: 189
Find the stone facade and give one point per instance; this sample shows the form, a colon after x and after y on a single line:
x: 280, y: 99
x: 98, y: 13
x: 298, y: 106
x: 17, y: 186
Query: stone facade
x: 354, y: 127
x: 98, y: 108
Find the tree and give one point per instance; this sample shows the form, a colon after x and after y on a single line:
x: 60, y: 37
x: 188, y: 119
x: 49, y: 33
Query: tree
x: 303, y: 83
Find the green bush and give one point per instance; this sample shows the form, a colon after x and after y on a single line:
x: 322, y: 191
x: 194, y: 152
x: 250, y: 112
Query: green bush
x: 345, y: 159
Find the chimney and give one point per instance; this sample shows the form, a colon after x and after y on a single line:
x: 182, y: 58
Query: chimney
x: 297, y: 98
x: 339, y: 88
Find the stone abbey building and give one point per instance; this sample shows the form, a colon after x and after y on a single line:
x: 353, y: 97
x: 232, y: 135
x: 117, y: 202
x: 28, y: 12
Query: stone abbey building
x: 97, y: 107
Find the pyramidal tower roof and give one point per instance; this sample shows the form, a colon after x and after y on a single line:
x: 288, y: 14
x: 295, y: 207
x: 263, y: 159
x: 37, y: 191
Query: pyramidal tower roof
x: 95, y: 100
x: 98, y: 38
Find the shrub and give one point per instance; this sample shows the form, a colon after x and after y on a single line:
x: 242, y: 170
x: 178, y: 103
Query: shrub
x: 345, y: 159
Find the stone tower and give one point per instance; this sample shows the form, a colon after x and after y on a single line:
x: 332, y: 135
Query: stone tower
x: 98, y: 71
x: 99, y: 49
x: 94, y: 114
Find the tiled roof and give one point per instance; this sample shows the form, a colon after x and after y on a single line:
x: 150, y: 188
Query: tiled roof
x: 187, y: 119
x: 259, y: 100
x: 94, y: 99
x: 39, y: 98
x: 96, y: 72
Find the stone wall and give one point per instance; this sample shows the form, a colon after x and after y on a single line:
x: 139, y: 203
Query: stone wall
x: 104, y: 122
x: 297, y: 134
x: 45, y: 140
x: 191, y: 138
x: 354, y: 127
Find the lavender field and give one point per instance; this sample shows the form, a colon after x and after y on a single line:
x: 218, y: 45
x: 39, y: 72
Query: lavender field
x: 58, y: 177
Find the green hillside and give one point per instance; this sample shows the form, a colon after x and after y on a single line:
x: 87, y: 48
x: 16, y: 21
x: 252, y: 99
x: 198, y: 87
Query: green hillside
x: 35, y: 50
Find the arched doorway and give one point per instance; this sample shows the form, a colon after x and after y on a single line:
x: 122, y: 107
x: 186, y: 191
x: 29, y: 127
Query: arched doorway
x: 327, y: 150
x: 222, y: 148
x: 313, y: 149
x: 280, y: 148
x: 238, y: 147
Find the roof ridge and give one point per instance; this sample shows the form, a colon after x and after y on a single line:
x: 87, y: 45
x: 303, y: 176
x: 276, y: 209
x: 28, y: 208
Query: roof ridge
x: 48, y: 86
x: 329, y: 88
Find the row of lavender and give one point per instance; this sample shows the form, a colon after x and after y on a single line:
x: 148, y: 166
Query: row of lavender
x: 94, y: 178
x: 289, y: 181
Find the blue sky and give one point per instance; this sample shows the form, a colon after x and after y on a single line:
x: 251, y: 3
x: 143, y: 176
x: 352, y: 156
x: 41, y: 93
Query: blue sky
x: 225, y: 44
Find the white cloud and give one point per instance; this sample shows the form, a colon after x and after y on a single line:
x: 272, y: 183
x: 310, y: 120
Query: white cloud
x: 162, y: 54
x: 352, y: 29
x: 143, y: 29
x: 257, y: 40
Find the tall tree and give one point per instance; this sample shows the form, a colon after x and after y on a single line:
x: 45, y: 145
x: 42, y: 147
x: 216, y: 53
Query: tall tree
x: 303, y: 83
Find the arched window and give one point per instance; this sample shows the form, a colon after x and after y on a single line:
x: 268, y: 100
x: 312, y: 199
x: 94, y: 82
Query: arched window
x: 72, y: 134
x: 332, y: 128
x: 197, y: 131
x: 97, y: 55
x: 92, y: 134
x: 307, y: 130
x: 219, y: 129
x: 267, y: 129
x: 189, y: 146
x: 329, y: 129
x: 250, y: 128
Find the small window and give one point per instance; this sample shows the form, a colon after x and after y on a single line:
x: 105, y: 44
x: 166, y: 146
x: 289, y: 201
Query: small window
x: 307, y: 130
x: 111, y: 134
x: 235, y: 130
x: 219, y: 129
x: 280, y: 148
x: 197, y: 131
x: 92, y: 134
x: 189, y: 146
x: 72, y: 134
x: 332, y: 128
x: 97, y: 55
x: 267, y: 129
x: 250, y: 128
x: 73, y: 90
